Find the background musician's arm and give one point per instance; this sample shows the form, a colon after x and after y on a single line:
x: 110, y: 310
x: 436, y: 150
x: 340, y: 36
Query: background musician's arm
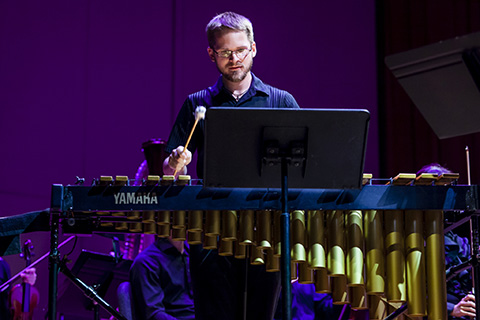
x: 4, y: 276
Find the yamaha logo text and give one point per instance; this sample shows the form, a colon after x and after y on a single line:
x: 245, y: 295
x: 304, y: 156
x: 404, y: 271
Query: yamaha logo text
x: 136, y: 198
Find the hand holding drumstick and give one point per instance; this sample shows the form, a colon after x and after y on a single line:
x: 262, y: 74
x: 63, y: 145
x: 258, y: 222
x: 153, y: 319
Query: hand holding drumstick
x: 177, y: 161
x: 181, y: 156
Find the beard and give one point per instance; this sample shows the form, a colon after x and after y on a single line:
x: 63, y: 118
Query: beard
x: 237, y: 75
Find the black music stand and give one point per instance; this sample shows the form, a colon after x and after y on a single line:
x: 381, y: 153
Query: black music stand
x: 443, y: 81
x: 102, y: 273
x: 273, y: 148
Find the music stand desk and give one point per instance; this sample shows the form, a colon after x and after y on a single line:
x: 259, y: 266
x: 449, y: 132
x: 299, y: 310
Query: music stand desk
x: 93, y: 269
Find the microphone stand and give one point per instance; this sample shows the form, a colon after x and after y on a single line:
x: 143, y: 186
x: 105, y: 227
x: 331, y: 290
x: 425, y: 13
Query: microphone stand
x: 87, y: 290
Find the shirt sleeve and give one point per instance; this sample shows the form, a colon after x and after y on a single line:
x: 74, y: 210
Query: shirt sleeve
x: 147, y: 291
x: 182, y: 127
x: 450, y: 307
x: 290, y: 101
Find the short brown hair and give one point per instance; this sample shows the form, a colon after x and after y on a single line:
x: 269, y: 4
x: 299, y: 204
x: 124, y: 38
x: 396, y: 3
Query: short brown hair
x: 226, y: 22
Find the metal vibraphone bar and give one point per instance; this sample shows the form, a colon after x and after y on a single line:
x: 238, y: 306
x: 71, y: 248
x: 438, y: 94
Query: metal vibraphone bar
x: 373, y: 248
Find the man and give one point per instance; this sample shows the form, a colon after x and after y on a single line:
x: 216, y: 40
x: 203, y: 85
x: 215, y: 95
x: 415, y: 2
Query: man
x: 232, y: 49
x: 160, y: 278
x: 224, y: 287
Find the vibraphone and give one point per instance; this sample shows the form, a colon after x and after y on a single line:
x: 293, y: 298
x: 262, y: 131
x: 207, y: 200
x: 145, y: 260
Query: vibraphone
x: 377, y: 247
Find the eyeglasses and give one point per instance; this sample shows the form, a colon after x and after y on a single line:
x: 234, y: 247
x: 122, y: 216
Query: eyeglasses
x: 240, y: 53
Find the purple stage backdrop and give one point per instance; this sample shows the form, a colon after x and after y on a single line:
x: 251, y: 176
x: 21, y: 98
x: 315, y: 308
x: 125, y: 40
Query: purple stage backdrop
x: 84, y: 83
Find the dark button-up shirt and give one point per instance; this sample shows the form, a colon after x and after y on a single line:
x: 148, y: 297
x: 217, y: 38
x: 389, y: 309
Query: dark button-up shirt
x: 160, y: 282
x: 226, y: 288
x: 309, y: 305
x: 259, y: 95
x: 4, y: 277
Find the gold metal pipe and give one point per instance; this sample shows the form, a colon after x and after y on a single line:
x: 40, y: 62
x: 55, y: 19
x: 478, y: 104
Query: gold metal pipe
x: 322, y: 284
x: 148, y: 216
x: 305, y: 274
x: 179, y: 219
x: 163, y: 217
x: 179, y: 234
x: 339, y: 290
x: 316, y: 239
x: 212, y: 222
x: 377, y: 307
x: 133, y: 215
x: 435, y: 253
x: 246, y: 227
x: 229, y: 225
x: 121, y: 226
x: 225, y: 248
x: 272, y: 263
x: 395, y: 256
x: 135, y: 227
x: 355, y: 248
x: 257, y: 257
x: 240, y: 250
x: 415, y: 263
x: 277, y: 243
x: 115, y: 213
x: 106, y: 224
x: 375, y: 252
x: 393, y: 306
x: 293, y: 271
x: 358, y: 297
x: 150, y: 228
x: 336, y: 243
x: 194, y: 237
x: 298, y: 251
x: 210, y: 242
x: 264, y: 229
x: 195, y: 221
x: 163, y: 230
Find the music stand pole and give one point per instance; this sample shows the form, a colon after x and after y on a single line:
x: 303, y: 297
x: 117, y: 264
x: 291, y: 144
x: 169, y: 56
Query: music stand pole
x: 88, y: 291
x: 475, y: 250
x: 53, y: 267
x: 285, y: 248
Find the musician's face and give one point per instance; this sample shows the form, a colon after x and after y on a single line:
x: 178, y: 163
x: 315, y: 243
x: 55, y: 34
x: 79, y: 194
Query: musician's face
x: 236, y: 66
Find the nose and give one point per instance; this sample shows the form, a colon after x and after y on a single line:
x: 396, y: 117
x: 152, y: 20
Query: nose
x: 234, y: 57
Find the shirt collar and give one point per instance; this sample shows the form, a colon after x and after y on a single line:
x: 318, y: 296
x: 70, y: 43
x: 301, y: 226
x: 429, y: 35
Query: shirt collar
x: 257, y: 86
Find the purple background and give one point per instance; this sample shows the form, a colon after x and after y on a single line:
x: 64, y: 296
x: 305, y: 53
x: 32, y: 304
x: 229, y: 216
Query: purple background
x: 84, y: 83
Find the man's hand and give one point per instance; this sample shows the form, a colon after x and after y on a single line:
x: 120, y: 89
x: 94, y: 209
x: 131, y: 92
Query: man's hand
x: 177, y: 161
x: 466, y: 307
x: 29, y: 276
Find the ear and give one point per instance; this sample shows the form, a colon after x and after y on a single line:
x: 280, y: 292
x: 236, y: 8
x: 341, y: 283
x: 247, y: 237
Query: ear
x: 254, y: 50
x: 211, y: 54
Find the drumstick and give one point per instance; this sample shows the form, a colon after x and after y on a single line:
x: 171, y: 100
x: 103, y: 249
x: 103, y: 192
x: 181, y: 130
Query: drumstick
x: 199, y: 114
x: 468, y: 164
